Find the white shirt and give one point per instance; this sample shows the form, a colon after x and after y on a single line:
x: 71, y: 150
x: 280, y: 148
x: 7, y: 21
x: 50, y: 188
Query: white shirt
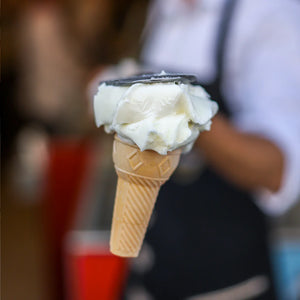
x: 262, y: 70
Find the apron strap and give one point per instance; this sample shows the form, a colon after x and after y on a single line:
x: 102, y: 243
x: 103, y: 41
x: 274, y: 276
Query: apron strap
x: 214, y: 89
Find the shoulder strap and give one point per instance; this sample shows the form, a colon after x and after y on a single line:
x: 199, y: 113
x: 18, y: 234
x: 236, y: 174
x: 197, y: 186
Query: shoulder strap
x: 223, y: 30
x: 224, y: 26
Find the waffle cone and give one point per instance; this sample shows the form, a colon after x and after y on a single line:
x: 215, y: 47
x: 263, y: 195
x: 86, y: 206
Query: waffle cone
x: 140, y: 175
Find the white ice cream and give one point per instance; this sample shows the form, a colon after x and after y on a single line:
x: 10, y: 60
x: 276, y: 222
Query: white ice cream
x: 157, y: 116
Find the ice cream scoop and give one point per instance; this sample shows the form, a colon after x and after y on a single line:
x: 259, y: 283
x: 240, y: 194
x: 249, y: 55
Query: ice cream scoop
x: 155, y: 117
x: 159, y: 112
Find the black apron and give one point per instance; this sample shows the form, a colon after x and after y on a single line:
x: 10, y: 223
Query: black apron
x: 207, y: 234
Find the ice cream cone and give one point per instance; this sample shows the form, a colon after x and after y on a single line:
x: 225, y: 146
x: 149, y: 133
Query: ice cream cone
x: 140, y: 175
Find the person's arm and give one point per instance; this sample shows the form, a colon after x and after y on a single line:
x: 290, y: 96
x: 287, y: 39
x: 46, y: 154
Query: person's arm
x: 262, y: 84
x: 248, y: 160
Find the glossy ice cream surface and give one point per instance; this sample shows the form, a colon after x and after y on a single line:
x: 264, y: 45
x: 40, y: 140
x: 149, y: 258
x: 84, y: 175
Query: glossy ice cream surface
x: 160, y: 116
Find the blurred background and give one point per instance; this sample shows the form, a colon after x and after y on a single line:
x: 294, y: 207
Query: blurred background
x: 58, y: 182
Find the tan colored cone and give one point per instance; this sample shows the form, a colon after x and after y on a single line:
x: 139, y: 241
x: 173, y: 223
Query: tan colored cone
x: 140, y: 175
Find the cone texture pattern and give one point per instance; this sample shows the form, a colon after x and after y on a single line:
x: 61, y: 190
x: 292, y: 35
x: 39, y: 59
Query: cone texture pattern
x: 140, y: 175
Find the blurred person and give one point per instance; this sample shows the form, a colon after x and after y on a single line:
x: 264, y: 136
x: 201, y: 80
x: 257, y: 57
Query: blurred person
x: 51, y: 76
x: 51, y: 48
x: 58, y: 43
x: 208, y: 237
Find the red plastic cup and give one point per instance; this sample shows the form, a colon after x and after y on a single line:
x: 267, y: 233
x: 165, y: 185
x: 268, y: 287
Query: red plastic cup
x: 92, y: 272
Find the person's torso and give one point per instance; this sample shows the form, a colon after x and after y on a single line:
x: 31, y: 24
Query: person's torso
x: 206, y: 234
